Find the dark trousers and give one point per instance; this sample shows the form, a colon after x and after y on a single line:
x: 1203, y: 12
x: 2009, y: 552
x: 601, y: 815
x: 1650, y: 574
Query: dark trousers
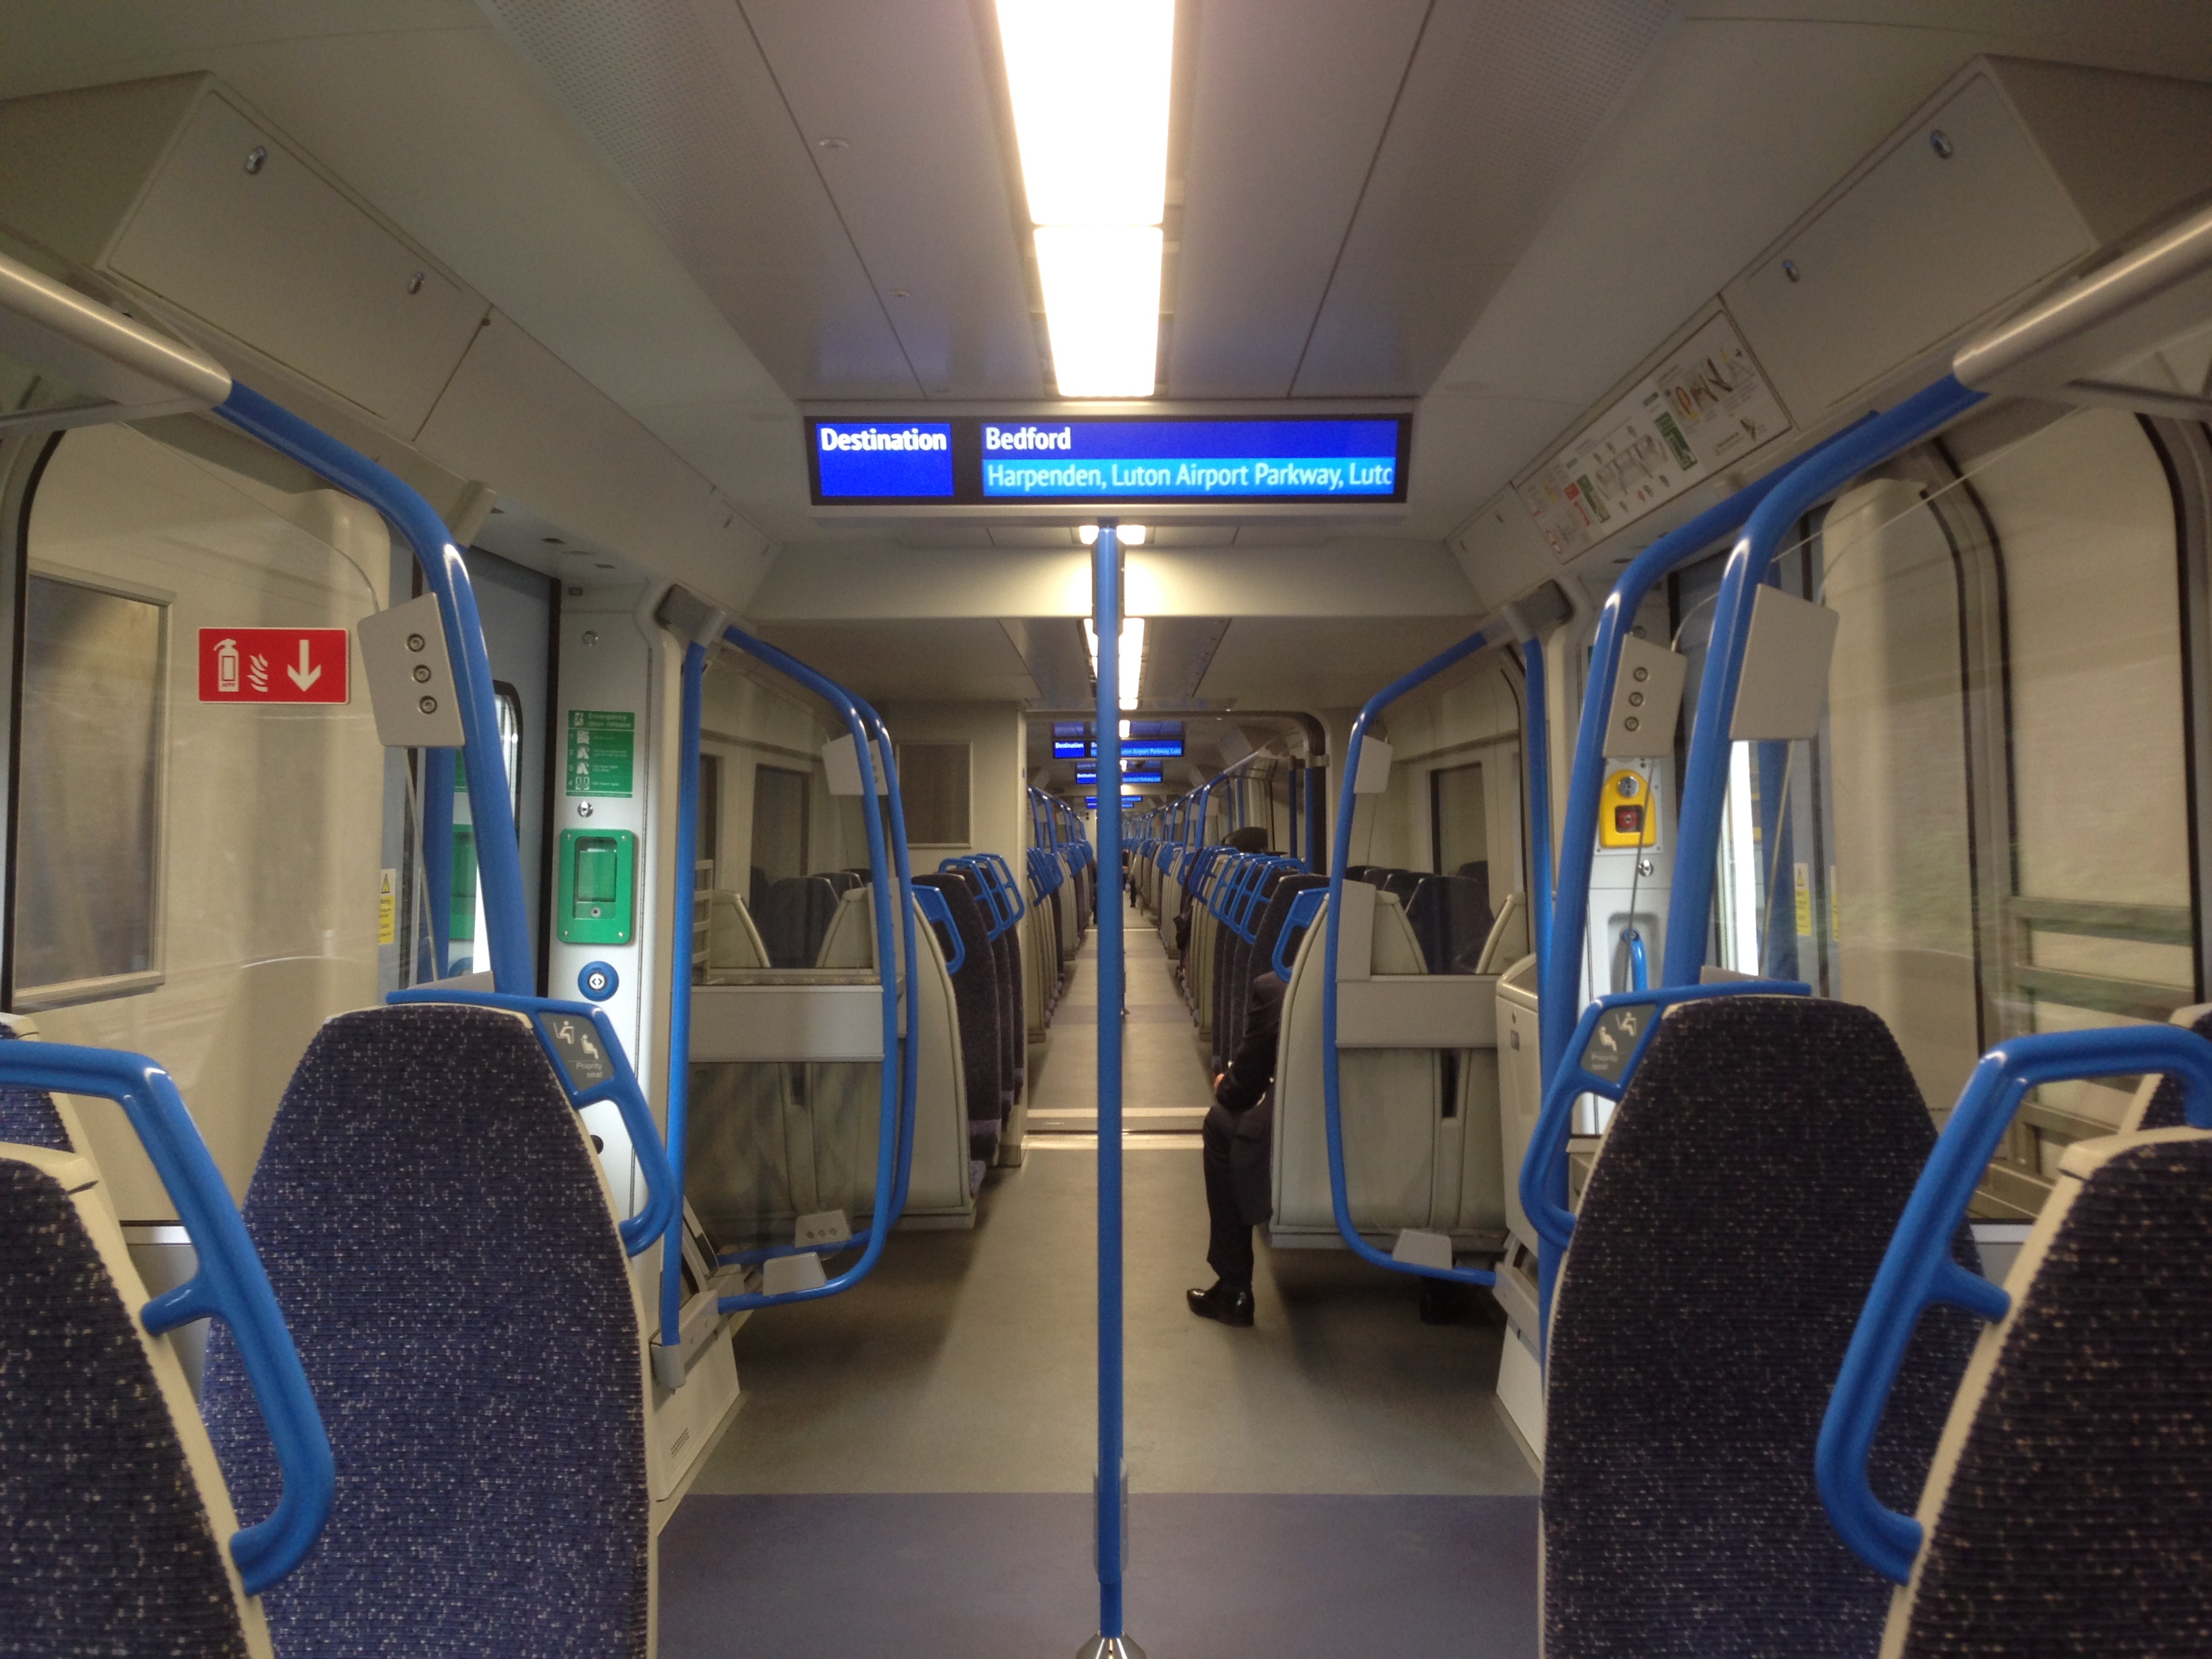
x: 1228, y: 1248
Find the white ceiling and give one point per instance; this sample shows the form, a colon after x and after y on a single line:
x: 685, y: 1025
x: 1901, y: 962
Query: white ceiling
x: 1499, y: 205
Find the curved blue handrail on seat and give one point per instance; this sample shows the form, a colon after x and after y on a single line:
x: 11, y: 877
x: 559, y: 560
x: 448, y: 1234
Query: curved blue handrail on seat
x: 1304, y: 906
x: 229, y: 1284
x: 1604, y: 1060
x: 551, y: 1020
x: 1918, y: 1271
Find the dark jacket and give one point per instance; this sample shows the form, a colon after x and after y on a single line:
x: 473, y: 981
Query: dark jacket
x: 1245, y: 1107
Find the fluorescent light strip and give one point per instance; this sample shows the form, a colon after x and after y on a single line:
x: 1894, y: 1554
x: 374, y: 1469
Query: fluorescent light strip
x: 1131, y: 658
x: 1091, y: 81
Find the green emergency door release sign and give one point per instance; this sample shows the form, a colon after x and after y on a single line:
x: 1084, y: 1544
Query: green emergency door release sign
x: 602, y: 751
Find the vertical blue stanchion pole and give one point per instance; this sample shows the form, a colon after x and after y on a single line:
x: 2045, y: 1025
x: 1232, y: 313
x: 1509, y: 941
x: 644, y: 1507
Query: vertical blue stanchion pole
x: 1538, y: 730
x: 1110, y: 1494
x: 438, y: 853
x: 688, y: 720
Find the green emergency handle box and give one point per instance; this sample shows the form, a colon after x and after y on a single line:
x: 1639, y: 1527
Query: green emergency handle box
x: 597, y: 903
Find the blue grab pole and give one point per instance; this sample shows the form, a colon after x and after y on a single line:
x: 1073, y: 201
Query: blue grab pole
x: 888, y: 1138
x: 679, y: 982
x: 1560, y: 980
x: 1106, y: 604
x: 1340, y: 854
x: 438, y: 854
x: 1539, y: 740
x: 1704, y: 780
x: 499, y: 855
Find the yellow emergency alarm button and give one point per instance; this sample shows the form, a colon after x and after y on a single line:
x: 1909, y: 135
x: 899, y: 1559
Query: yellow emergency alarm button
x: 1624, y: 814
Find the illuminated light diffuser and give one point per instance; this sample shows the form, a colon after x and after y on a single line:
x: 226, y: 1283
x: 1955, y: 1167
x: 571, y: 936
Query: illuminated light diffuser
x: 1102, y: 307
x: 1131, y: 658
x: 1091, y: 81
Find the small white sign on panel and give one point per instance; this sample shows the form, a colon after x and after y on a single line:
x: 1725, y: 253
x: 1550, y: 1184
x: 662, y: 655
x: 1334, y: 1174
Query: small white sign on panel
x: 840, y: 759
x: 1784, y: 683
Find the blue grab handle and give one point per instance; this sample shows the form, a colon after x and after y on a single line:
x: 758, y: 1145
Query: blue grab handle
x: 1918, y: 1271
x: 230, y: 1284
x: 1639, y: 964
x: 1006, y: 878
x: 1340, y: 854
x: 1304, y: 906
x: 445, y: 572
x: 1705, y: 773
x: 936, y: 908
x: 662, y: 1201
x: 1590, y: 1065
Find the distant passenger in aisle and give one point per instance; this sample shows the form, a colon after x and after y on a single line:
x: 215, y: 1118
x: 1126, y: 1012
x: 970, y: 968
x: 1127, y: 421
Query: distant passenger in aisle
x: 1239, y: 1136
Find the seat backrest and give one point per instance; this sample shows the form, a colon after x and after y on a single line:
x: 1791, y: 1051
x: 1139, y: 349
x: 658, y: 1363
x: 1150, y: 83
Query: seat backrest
x: 733, y: 941
x: 440, y: 1240
x: 112, y: 1511
x: 2071, y: 1496
x: 1740, y: 1207
x: 1258, y: 958
x: 796, y: 918
x: 30, y: 1117
x: 977, y: 1001
x: 2161, y: 1108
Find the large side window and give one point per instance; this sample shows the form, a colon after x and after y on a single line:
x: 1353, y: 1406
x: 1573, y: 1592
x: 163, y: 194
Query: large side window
x: 94, y: 672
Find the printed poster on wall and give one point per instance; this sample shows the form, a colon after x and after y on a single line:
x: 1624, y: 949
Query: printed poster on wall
x: 1705, y: 407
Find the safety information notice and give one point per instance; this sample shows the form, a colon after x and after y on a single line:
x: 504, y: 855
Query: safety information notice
x: 1706, y: 407
x: 602, y: 751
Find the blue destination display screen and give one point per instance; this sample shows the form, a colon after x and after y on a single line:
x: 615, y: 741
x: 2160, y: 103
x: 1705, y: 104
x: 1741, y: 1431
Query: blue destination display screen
x: 1089, y: 460
x: 881, y: 460
x: 1132, y: 749
x: 1131, y: 772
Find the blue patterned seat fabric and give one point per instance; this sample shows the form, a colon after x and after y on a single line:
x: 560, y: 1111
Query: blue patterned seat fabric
x: 106, y: 1546
x: 2079, y: 1513
x: 434, y: 1225
x: 1750, y: 1181
x: 2164, y: 1110
x: 27, y: 1116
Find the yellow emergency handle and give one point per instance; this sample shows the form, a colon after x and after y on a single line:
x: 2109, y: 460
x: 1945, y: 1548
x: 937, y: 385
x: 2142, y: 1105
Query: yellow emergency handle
x: 1623, y: 816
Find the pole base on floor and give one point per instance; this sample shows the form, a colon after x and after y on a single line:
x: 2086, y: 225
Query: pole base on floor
x: 1110, y: 1647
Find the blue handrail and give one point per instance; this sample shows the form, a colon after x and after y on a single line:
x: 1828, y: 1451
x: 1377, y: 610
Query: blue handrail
x: 1919, y: 1272
x: 999, y: 895
x: 1109, y: 1476
x: 557, y: 1026
x: 894, y: 1140
x: 1539, y: 762
x: 937, y: 909
x: 1304, y: 906
x: 1601, y: 1062
x: 1561, y: 978
x: 689, y: 719
x: 902, y: 873
x: 1705, y: 783
x: 229, y: 1284
x: 1340, y: 855
x: 499, y: 859
x: 1639, y: 964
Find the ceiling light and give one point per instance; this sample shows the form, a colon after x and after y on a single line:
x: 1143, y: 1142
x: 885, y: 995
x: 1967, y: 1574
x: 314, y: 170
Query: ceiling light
x: 1131, y: 535
x: 1089, y: 81
x: 1130, y: 658
x: 1102, y: 307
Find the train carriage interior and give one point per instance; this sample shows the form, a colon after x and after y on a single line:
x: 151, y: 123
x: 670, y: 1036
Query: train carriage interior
x: 1209, y: 827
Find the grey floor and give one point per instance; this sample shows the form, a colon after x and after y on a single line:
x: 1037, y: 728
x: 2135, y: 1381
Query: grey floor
x: 965, y: 1362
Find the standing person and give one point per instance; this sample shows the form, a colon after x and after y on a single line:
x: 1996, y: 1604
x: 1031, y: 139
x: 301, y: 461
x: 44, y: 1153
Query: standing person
x: 1239, y: 1140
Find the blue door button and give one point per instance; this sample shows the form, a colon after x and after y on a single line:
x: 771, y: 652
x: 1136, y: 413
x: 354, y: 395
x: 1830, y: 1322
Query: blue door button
x: 598, y: 980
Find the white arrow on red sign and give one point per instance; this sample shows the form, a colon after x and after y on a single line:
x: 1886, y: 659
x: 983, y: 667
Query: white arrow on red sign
x: 235, y: 665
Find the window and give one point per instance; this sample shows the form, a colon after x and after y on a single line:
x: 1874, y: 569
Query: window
x: 779, y: 825
x: 934, y: 788
x: 1459, y: 825
x: 88, y: 901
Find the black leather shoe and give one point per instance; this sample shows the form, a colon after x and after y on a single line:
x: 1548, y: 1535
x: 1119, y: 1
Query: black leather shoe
x: 1231, y: 1307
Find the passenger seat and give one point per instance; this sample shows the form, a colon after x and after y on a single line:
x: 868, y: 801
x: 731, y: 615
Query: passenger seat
x: 443, y: 1244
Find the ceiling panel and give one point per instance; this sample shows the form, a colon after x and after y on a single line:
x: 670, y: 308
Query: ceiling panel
x: 679, y: 99
x: 1054, y: 651
x: 956, y: 661
x: 895, y: 100
x: 1501, y: 103
x: 1280, y: 662
x: 1292, y: 98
